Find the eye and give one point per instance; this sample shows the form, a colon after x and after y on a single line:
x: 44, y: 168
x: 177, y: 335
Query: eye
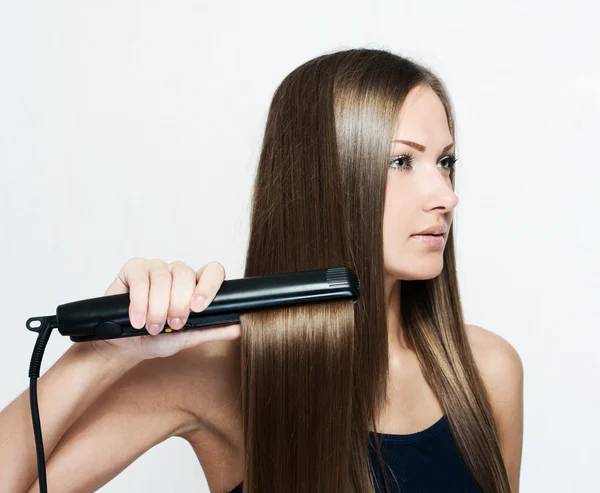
x: 408, y: 158
x: 450, y: 162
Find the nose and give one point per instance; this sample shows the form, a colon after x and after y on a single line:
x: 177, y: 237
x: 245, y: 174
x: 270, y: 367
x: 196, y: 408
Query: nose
x: 438, y: 192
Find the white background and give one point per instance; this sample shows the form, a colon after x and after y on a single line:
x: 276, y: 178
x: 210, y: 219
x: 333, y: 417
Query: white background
x: 132, y: 128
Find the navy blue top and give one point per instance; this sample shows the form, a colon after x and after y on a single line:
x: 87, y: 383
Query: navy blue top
x: 424, y: 462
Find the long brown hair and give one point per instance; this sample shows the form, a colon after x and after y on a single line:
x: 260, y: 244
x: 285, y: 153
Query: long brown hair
x: 314, y: 377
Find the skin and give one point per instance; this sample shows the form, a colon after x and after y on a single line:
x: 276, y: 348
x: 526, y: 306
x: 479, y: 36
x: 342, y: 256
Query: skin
x: 415, y: 199
x: 189, y: 386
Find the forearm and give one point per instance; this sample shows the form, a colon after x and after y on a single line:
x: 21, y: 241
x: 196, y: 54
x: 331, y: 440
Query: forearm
x: 64, y: 392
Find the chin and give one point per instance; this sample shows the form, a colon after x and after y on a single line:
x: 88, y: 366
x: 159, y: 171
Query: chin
x: 418, y: 271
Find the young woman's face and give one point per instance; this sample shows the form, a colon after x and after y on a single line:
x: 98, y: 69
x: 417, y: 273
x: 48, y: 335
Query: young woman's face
x: 419, y: 193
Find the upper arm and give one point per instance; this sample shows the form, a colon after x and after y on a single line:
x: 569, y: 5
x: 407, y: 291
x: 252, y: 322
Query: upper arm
x: 502, y: 372
x: 139, y: 411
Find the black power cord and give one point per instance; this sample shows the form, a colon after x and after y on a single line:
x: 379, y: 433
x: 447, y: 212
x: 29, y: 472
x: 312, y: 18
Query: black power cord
x: 34, y: 372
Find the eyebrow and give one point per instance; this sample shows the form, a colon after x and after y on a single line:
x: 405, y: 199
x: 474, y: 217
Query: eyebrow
x: 420, y: 147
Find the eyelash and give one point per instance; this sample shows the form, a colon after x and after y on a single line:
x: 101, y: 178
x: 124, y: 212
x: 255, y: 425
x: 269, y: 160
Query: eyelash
x: 452, y: 159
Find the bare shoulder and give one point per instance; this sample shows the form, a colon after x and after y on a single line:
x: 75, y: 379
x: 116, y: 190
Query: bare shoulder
x: 496, y: 358
x: 501, y: 369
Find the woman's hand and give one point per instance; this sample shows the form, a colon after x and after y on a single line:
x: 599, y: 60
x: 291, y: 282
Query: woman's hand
x: 160, y: 293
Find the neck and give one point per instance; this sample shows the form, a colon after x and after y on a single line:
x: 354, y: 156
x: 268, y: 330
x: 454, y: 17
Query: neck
x: 396, y: 340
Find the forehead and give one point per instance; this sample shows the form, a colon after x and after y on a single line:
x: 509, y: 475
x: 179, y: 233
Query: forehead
x: 422, y: 117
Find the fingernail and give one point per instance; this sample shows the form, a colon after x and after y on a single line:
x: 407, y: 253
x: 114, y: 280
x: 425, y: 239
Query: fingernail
x: 154, y: 329
x: 139, y: 321
x: 198, y: 303
x: 175, y: 323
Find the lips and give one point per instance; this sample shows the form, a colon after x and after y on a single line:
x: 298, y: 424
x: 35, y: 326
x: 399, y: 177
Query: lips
x: 436, y: 230
x: 430, y: 240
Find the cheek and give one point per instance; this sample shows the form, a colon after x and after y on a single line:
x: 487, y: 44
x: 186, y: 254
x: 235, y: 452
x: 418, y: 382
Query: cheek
x: 396, y: 216
x: 396, y: 229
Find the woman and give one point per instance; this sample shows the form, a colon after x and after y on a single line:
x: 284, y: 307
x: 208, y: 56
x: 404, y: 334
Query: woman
x: 395, y: 393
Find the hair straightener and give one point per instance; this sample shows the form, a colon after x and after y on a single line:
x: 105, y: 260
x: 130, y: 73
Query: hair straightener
x: 107, y: 317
